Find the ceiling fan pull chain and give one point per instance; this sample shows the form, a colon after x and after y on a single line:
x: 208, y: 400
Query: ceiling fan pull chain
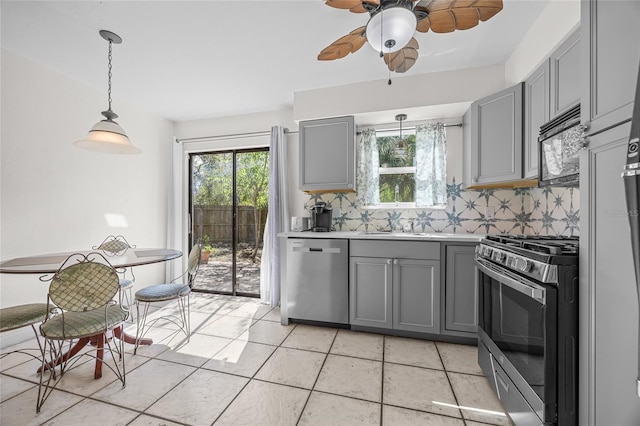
x: 381, y: 35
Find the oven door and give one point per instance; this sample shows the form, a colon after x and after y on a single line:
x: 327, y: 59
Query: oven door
x: 517, y: 320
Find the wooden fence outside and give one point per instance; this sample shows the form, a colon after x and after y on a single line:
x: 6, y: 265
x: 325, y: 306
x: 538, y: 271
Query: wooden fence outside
x: 215, y: 221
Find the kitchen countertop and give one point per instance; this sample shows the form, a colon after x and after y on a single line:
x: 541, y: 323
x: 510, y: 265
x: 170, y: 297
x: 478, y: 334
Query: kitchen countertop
x: 405, y: 236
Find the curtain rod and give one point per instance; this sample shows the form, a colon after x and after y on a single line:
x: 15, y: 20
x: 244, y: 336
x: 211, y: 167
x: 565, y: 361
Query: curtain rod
x: 231, y: 136
x: 410, y: 128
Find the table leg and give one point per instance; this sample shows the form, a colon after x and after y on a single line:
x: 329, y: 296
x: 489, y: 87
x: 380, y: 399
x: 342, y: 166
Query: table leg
x: 97, y: 373
x: 129, y: 338
x: 74, y: 350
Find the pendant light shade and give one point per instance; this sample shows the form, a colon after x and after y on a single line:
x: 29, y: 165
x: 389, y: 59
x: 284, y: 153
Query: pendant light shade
x: 391, y: 29
x: 107, y: 135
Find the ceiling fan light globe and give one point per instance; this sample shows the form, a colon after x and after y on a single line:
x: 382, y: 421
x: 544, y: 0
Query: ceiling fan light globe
x: 107, y: 136
x: 397, y: 26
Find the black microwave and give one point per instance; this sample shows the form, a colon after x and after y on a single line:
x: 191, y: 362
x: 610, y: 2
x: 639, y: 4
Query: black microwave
x: 560, y: 143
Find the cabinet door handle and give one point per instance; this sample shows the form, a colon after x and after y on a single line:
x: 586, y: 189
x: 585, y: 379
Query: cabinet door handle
x: 389, y: 261
x: 395, y: 261
x: 474, y: 180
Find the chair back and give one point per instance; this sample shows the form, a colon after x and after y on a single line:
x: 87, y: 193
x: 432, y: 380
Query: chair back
x: 114, y: 245
x: 84, y: 285
x: 194, y: 264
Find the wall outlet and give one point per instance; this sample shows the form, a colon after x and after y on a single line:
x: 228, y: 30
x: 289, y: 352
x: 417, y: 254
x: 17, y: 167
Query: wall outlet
x: 489, y: 212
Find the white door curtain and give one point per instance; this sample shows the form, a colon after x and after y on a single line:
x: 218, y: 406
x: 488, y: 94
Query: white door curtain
x: 277, y: 218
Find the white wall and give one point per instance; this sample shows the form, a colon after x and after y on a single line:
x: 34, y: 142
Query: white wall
x: 54, y: 196
x: 407, y: 92
x: 556, y: 22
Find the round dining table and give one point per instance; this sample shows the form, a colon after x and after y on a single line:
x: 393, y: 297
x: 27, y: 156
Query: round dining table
x: 51, y: 263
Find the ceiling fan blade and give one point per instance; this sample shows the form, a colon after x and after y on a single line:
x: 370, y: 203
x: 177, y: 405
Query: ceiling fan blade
x: 355, y: 6
x: 402, y: 60
x: 340, y: 48
x: 445, y: 16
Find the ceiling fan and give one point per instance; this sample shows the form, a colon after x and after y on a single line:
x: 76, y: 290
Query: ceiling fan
x: 392, y: 24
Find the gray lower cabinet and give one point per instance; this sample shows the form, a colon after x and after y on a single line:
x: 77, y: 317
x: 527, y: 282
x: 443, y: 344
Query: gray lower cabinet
x: 536, y: 113
x: 370, y: 292
x: 328, y: 155
x: 461, y: 290
x: 416, y: 293
x: 391, y: 287
x: 610, y: 54
x: 565, y: 75
x: 496, y: 138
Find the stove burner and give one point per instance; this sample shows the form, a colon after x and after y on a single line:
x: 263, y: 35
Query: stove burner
x: 546, y: 244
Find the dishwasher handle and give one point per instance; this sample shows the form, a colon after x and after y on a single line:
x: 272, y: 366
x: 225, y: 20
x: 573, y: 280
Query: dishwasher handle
x: 316, y: 249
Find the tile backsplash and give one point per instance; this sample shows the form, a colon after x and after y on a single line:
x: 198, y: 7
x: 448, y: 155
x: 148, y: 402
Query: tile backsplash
x: 531, y: 211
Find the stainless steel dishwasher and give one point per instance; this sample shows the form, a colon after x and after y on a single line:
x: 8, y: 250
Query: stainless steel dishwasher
x: 318, y: 280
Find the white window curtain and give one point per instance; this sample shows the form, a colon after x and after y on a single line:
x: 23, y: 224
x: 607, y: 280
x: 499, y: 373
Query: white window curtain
x: 431, y: 165
x: 368, y: 179
x: 277, y: 218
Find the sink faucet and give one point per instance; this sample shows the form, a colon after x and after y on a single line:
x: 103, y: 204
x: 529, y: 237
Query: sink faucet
x: 411, y: 225
x: 390, y: 224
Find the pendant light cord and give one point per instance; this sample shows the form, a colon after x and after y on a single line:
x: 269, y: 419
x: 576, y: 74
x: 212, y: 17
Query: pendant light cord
x: 109, y: 75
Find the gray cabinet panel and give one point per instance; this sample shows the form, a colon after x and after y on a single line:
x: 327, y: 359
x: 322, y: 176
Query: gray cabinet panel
x: 327, y: 154
x: 608, y: 298
x: 416, y: 286
x: 536, y: 113
x: 565, y: 75
x: 610, y: 55
x: 461, y: 289
x: 386, y: 291
x: 370, y: 292
x: 496, y: 138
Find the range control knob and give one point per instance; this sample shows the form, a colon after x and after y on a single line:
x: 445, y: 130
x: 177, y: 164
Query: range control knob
x: 498, y: 256
x: 525, y: 265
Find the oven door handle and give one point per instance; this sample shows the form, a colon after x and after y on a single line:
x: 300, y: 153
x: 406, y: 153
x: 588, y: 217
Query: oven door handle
x: 533, y: 291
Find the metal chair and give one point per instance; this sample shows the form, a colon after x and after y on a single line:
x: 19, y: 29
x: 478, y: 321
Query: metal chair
x: 15, y: 317
x: 116, y: 246
x: 81, y: 294
x: 167, y: 292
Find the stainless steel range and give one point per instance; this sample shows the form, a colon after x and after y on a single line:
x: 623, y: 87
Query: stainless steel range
x: 528, y: 325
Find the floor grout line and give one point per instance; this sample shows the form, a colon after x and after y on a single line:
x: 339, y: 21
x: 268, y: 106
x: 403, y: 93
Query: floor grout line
x: 282, y: 344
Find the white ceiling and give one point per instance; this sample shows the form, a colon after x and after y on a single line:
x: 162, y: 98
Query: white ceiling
x: 187, y: 60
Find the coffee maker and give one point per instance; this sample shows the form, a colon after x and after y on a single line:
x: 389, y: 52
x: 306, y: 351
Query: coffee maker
x: 321, y: 217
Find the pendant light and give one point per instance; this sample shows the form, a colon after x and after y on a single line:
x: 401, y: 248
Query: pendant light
x: 401, y: 146
x: 107, y: 135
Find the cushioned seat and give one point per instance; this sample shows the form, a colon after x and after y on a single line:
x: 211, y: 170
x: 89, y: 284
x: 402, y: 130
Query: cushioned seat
x: 162, y: 292
x: 167, y: 292
x: 22, y: 316
x: 83, y: 324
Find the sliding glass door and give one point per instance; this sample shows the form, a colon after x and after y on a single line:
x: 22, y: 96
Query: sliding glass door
x: 228, y: 211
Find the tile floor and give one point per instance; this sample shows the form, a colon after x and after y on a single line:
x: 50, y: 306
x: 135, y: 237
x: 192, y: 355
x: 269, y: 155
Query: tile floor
x: 241, y: 367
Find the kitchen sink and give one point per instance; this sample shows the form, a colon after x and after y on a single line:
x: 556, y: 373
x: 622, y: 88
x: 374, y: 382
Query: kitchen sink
x: 396, y: 234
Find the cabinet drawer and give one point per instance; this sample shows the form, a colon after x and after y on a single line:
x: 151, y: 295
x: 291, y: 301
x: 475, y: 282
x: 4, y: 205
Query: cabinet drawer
x: 395, y: 249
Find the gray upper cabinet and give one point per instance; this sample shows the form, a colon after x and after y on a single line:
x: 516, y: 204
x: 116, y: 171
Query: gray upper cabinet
x: 328, y: 155
x: 496, y: 138
x: 565, y: 75
x: 461, y: 290
x: 536, y: 113
x: 610, y: 55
